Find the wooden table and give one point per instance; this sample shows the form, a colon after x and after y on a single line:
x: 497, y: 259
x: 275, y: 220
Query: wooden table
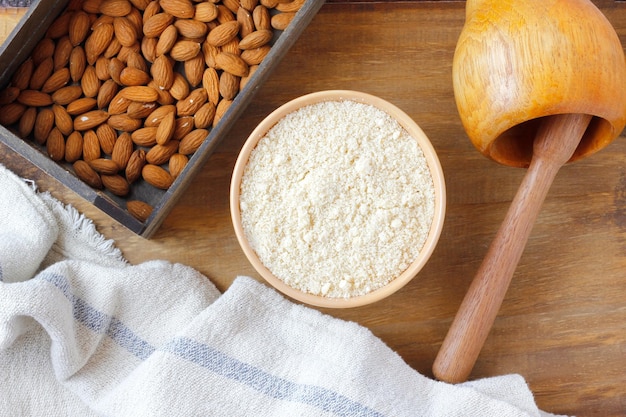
x: 563, y: 323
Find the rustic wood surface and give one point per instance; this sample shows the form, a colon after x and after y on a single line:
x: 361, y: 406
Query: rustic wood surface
x: 562, y: 324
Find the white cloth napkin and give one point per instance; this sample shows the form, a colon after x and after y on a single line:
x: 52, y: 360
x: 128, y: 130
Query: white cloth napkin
x: 84, y: 333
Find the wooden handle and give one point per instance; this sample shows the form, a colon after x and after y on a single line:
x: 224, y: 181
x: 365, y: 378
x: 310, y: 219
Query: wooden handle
x: 554, y: 145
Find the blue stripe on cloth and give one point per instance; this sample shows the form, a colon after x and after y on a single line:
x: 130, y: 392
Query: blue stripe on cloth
x: 99, y: 322
x: 211, y: 359
x: 270, y: 385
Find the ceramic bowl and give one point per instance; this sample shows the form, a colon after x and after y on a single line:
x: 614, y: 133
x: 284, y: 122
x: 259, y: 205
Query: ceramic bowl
x: 436, y: 174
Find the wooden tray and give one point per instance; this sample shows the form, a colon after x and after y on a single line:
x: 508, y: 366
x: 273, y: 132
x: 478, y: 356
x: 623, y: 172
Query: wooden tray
x: 31, y: 29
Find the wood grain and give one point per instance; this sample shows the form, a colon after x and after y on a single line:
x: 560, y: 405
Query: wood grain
x: 561, y: 324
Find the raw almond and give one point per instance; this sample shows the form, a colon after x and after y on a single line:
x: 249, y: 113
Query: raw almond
x: 81, y: 105
x: 157, y: 176
x: 78, y: 62
x: 232, y: 63
x: 183, y: 9
x: 184, y: 125
x: 59, y: 26
x: 9, y: 95
x: 210, y: 52
x: 67, y: 94
x: 184, y: 50
x: 43, y: 125
x: 125, y: 31
x: 43, y: 50
x: 192, y: 141
x: 122, y: 150
x: 166, y: 128
x: 91, y: 146
x: 22, y: 75
x: 160, y: 154
x: 134, y: 77
x: 73, y: 147
x: 116, y: 66
x: 220, y: 111
x: 104, y: 166
x: 78, y: 27
x: 167, y: 39
x: 27, y: 122
x: 148, y: 48
x: 139, y: 209
x: 115, y: 8
x: 62, y: 53
x: 98, y: 42
x: 11, y: 113
x: 256, y: 39
x: 62, y: 119
x: 114, y: 48
x: 34, y: 98
x: 177, y: 163
x: 155, y: 25
x: 158, y: 114
x: 90, y: 119
x: 86, y: 174
x: 211, y: 84
x: 108, y: 90
x: 135, y: 164
x: 124, y: 122
x: 204, y: 116
x: 102, y: 68
x: 180, y: 87
x: 223, y: 33
x: 142, y: 94
x: 194, y: 68
x: 190, y: 28
x: 137, y: 61
x: 280, y: 21
x: 191, y: 103
x: 291, y: 6
x: 107, y: 136
x: 249, y: 4
x: 229, y: 85
x: 57, y: 80
x: 118, y: 104
x: 246, y: 79
x: 41, y: 73
x: 255, y: 56
x: 205, y: 12
x: 165, y: 97
x: 55, y: 145
x: 138, y: 110
x: 246, y: 23
x: 90, y: 83
x: 162, y: 72
x: 116, y: 184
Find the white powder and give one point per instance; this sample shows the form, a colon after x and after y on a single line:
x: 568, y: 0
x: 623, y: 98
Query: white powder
x: 337, y: 199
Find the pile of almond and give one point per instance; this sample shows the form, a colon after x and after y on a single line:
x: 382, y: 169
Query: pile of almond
x: 127, y: 90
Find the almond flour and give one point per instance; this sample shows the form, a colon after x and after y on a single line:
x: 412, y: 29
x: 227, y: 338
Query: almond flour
x: 337, y: 199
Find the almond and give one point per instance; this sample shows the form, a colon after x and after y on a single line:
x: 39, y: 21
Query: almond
x: 184, y: 125
x: 11, y: 113
x: 124, y: 122
x: 9, y: 95
x: 291, y: 6
x: 204, y: 116
x: 78, y: 27
x: 62, y: 119
x: 104, y: 166
x: 137, y: 61
x: 43, y: 50
x: 142, y: 94
x: 194, y: 68
x: 177, y: 163
x: 184, y: 50
x: 140, y: 4
x: 223, y: 33
x: 73, y: 147
x: 90, y: 83
x: 41, y: 73
x: 116, y: 66
x: 138, y: 110
x: 155, y: 25
x: 165, y: 97
x: 125, y: 31
x: 102, y: 68
x: 205, y: 12
x: 115, y: 8
x: 189, y: 28
x: 148, y: 48
x: 86, y: 174
x: 90, y: 119
x: 91, y: 146
x: 229, y: 85
x: 232, y: 47
x: 160, y: 154
x: 134, y: 77
x: 60, y: 26
x: 34, y: 98
x: 255, y: 56
x: 165, y: 130
x: 116, y: 184
x: 183, y: 9
x: 220, y: 111
x: 246, y: 23
x: 158, y: 114
x: 209, y: 53
x: 248, y: 4
x: 55, y: 145
x: 180, y: 87
x: 62, y: 52
x: 280, y: 21
x: 211, y: 84
x: 145, y: 136
x: 118, y: 104
x: 78, y: 62
x: 57, y: 80
x: 81, y: 105
x: 135, y: 165
x: 43, y: 125
x: 98, y: 42
x: 162, y: 72
x: 122, y: 150
x: 167, y: 39
x: 192, y: 141
x: 139, y: 209
x: 246, y: 79
x: 108, y: 90
x: 67, y: 94
x: 22, y: 75
x: 191, y: 103
x: 27, y: 122
x: 256, y: 39
x: 107, y: 136
x: 157, y: 176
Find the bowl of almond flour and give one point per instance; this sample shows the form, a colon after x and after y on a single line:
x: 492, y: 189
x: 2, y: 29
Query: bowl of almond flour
x: 338, y: 199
